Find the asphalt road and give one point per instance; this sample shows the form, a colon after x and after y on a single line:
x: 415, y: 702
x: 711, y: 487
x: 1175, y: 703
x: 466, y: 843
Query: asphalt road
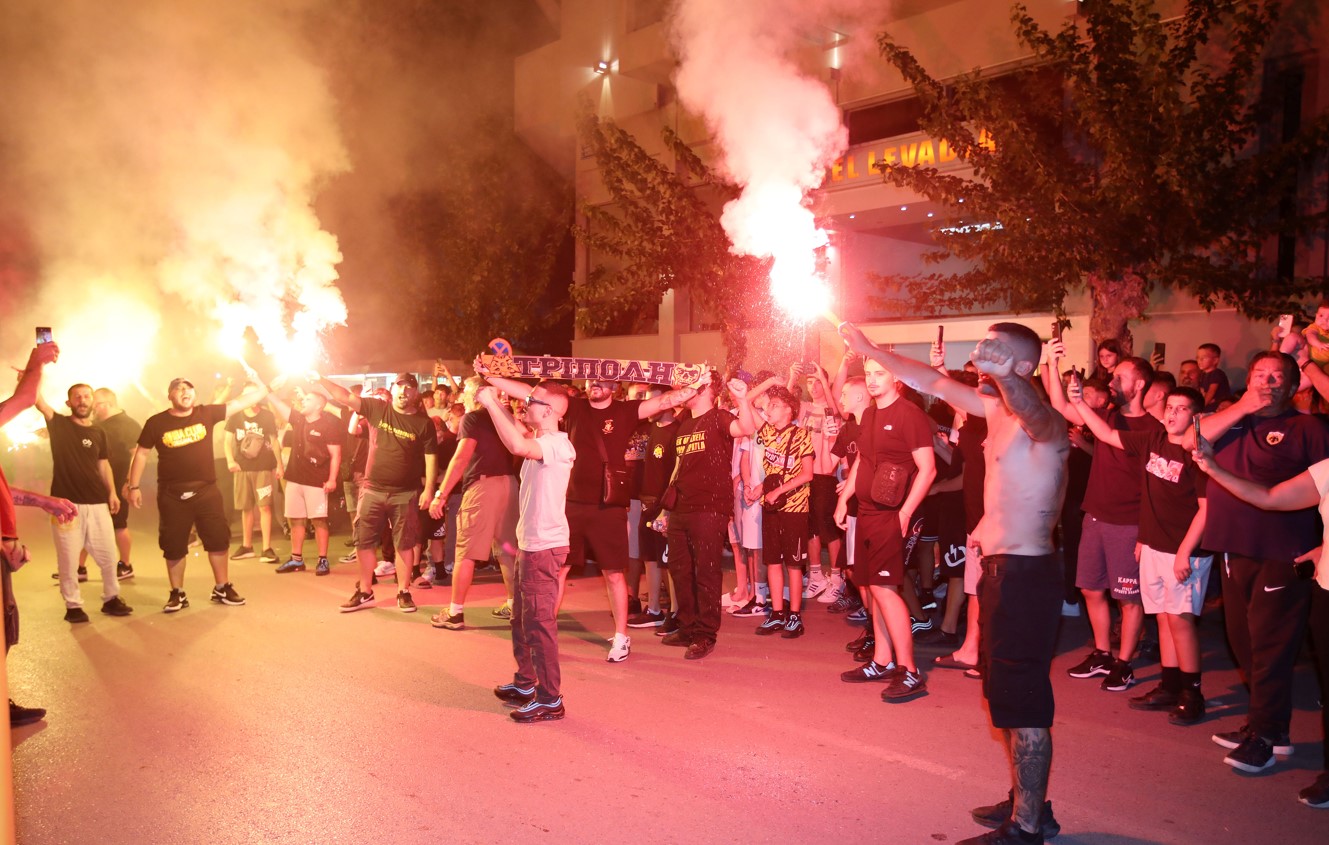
x: 285, y: 721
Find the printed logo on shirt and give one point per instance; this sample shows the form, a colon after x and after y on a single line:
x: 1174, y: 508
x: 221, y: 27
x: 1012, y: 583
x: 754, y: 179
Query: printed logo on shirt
x: 687, y: 444
x: 608, y: 427
x: 195, y: 433
x: 1273, y: 438
x: 1160, y: 467
x: 396, y: 432
x: 87, y: 444
x: 658, y: 452
x: 888, y: 427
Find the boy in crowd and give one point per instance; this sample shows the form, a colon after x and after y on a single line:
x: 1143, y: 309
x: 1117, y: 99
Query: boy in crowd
x: 1212, y: 382
x: 1172, y: 575
x: 786, y: 451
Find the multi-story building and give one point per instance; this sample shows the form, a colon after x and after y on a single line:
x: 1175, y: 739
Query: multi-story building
x: 618, y: 54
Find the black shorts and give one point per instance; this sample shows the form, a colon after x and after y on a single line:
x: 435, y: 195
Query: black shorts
x: 602, y: 531
x: 191, y: 505
x: 432, y: 529
x: 879, y: 549
x: 1019, y: 612
x: 784, y: 538
x: 650, y: 543
x: 950, y: 532
x: 120, y: 519
x: 822, y: 499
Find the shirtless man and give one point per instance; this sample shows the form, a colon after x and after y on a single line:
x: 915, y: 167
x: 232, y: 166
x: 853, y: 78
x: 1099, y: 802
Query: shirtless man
x: 1021, y: 590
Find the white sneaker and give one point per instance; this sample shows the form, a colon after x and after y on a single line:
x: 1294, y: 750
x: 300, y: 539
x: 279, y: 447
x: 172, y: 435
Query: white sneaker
x: 385, y: 568
x: 426, y: 579
x: 620, y: 649
x: 834, y: 589
x: 727, y: 600
x: 816, y: 586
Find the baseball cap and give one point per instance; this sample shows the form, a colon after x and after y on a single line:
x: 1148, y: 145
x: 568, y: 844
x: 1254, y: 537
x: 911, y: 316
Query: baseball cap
x: 406, y: 378
x: 176, y: 382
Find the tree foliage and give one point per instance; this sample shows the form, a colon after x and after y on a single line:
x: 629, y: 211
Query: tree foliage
x: 661, y: 231
x: 1135, y: 152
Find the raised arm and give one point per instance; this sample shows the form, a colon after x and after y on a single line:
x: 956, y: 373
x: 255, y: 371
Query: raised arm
x: 916, y: 374
x: 672, y: 399
x: 29, y: 382
x: 512, y: 434
x: 1096, y: 424
x: 1295, y: 494
x: 251, y: 396
x: 744, y: 423
x: 1036, y: 417
x: 338, y: 394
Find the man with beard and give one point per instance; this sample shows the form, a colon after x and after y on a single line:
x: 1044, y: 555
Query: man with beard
x: 187, y: 494
x: 1021, y: 588
x: 402, y: 451
x: 82, y: 474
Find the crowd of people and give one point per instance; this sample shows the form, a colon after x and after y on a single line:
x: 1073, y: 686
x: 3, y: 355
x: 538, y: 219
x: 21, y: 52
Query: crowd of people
x: 971, y: 510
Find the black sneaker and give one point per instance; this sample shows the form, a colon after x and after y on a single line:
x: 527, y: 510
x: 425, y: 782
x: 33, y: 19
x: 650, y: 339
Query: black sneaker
x: 19, y: 716
x: 1119, y: 677
x: 858, y: 642
x: 76, y: 615
x: 867, y: 650
x: 1189, y: 709
x: 123, y: 570
x: 699, y: 649
x: 927, y: 600
x: 453, y: 622
x: 1233, y: 739
x: 870, y: 671
x: 269, y: 556
x: 1097, y: 663
x: 634, y: 605
x: 539, y: 711
x: 647, y: 619
x: 242, y: 553
x: 177, y: 601
x: 116, y: 606
x: 1254, y: 755
x: 793, y: 626
x: 773, y: 624
x: 405, y: 603
x: 1007, y: 833
x: 513, y: 695
x: 1316, y: 795
x: 676, y: 638
x: 226, y: 594
x: 1156, y: 699
x: 996, y: 815
x: 752, y: 608
x: 82, y: 574
x: 845, y: 603
x: 905, y: 685
x: 921, y: 625
x: 359, y: 600
x: 670, y: 625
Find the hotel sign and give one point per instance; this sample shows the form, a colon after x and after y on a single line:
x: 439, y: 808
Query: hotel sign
x: 858, y: 166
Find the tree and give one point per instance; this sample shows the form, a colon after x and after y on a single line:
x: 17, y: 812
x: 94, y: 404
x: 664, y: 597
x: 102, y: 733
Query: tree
x: 1136, y: 153
x: 660, y: 232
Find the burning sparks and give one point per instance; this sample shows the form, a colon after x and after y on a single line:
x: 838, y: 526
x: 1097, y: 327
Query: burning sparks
x: 779, y: 130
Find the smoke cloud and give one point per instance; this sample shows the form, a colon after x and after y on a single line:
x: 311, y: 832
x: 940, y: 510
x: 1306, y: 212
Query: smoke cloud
x: 778, y: 129
x: 158, y: 165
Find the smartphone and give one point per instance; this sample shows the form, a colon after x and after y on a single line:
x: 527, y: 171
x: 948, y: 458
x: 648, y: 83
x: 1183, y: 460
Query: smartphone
x: 43, y: 334
x: 1056, y: 329
x: 1195, y: 421
x: 941, y: 335
x: 1284, y: 325
x: 1160, y: 349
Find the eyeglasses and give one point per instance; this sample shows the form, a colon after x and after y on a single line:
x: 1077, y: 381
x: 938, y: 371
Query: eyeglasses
x: 531, y: 400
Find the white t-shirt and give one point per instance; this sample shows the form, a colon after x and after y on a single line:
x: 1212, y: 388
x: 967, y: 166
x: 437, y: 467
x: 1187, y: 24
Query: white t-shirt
x: 1320, y: 475
x: 543, y: 521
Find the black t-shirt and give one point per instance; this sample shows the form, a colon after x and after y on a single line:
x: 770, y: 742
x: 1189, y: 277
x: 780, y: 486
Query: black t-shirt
x: 398, y: 444
x: 658, y: 463
x: 490, y: 457
x: 1113, y: 494
x: 889, y: 435
x: 846, y: 446
x: 973, y: 434
x: 121, y: 435
x: 253, y: 440
x: 586, y: 427
x: 310, y: 457
x: 1267, y: 450
x: 1173, y: 486
x: 77, y: 452
x: 183, y: 444
x: 705, y: 450
x: 634, y: 456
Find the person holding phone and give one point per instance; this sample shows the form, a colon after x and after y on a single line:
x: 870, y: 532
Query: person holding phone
x: 1261, y: 437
